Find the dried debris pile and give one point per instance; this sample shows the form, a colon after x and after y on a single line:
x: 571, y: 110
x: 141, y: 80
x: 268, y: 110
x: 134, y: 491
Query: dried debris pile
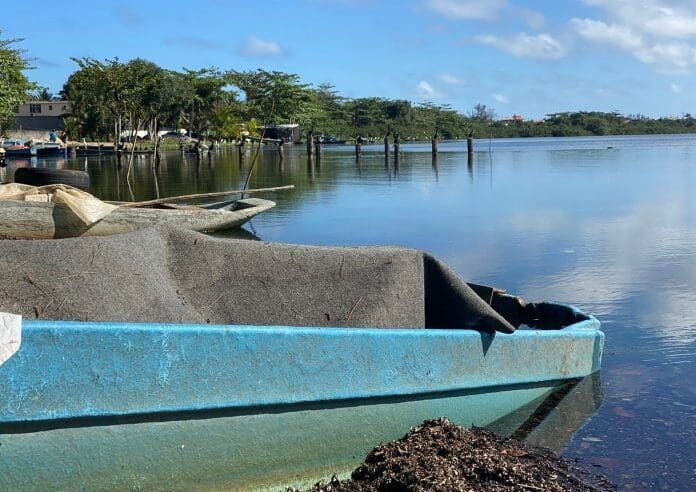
x: 441, y: 456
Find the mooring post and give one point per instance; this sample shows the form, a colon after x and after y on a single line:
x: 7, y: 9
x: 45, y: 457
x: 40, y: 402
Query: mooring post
x: 318, y: 147
x: 358, y: 148
x: 281, y: 151
x: 470, y: 144
x: 434, y: 144
x: 309, y: 143
x: 386, y: 145
x: 397, y: 144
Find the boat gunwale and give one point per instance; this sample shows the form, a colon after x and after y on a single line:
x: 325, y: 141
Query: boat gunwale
x: 256, y: 344
x: 588, y: 326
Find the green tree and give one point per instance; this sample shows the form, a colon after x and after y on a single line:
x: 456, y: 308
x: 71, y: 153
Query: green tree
x: 482, y: 113
x: 14, y: 85
x: 42, y: 94
x: 275, y: 95
x: 201, y: 97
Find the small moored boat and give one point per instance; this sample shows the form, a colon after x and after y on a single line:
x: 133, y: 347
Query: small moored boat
x: 20, y: 151
x: 21, y: 219
x: 214, y: 361
x: 38, y: 149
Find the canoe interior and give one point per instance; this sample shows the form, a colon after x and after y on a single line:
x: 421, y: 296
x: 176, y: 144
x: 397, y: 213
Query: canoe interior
x: 273, y: 448
x: 179, y: 276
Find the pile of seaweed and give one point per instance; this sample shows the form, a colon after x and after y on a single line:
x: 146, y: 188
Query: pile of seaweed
x: 441, y: 456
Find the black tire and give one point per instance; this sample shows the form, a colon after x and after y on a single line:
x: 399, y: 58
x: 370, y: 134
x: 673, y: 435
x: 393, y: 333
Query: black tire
x: 39, y: 176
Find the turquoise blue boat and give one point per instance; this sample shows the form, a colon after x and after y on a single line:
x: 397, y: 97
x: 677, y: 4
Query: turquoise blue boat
x: 91, y: 405
x: 101, y: 405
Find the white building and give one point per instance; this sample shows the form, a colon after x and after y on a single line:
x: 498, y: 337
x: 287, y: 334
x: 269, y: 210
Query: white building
x: 40, y: 116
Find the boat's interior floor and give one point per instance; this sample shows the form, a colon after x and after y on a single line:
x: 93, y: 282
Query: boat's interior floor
x: 183, y: 276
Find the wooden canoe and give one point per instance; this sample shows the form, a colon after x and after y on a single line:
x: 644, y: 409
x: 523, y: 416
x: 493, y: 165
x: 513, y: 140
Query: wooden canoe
x: 34, y: 220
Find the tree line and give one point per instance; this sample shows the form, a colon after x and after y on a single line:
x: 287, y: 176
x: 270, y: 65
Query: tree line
x: 110, y: 97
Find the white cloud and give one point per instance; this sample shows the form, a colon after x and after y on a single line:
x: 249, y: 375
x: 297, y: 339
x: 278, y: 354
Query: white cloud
x: 258, y: 47
x: 661, y: 18
x: 425, y: 89
x: 467, y: 9
x: 540, y: 46
x: 675, y: 88
x: 450, y: 79
x: 669, y: 57
x: 661, y: 33
x: 500, y: 98
x: 619, y: 36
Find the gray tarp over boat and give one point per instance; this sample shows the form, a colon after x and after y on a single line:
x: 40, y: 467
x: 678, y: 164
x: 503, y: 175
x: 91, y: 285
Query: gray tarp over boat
x: 184, y: 276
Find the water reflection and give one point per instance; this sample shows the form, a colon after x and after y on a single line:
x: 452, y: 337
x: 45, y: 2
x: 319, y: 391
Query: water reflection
x: 610, y: 230
x: 553, y: 422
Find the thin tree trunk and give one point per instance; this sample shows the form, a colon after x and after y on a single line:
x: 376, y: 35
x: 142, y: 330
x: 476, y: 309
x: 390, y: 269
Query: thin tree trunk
x: 132, y: 154
x: 117, y: 139
x: 156, y: 133
x: 154, y: 175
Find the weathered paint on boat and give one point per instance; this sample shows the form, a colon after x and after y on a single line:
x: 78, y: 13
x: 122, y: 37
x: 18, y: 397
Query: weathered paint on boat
x: 68, y: 370
x: 163, y: 406
x: 34, y: 220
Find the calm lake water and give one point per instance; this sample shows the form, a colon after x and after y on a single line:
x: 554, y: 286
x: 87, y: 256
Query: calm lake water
x: 607, y: 224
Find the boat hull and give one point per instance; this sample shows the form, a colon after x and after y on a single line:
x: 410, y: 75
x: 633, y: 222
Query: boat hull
x: 33, y: 220
x: 160, y: 406
x: 271, y: 449
x: 23, y: 152
x: 50, y: 151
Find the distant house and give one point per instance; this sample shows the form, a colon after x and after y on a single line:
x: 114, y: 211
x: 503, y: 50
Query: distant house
x: 509, y: 120
x: 288, y: 133
x: 41, y: 115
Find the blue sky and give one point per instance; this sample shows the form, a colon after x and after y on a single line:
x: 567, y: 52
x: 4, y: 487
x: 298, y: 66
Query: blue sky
x: 516, y: 56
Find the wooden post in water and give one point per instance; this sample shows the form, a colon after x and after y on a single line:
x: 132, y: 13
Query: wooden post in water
x: 358, y: 148
x: 386, y: 146
x: 309, y: 143
x: 281, y: 151
x: 318, y: 147
x: 470, y: 145
x: 434, y: 144
x: 397, y: 145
